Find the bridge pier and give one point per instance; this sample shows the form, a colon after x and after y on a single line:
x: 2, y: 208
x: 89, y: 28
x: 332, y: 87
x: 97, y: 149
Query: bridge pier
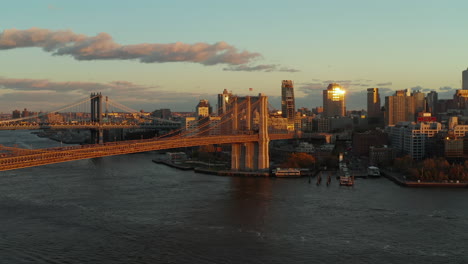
x: 236, y: 156
x: 97, y: 135
x: 263, y: 138
x: 252, y: 156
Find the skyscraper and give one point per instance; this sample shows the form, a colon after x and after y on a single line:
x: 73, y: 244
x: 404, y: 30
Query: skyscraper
x: 334, y: 101
x: 431, y: 100
x: 460, y: 99
x: 419, y: 101
x: 399, y: 107
x: 373, y: 103
x: 224, y: 101
x: 288, y: 107
x: 465, y: 79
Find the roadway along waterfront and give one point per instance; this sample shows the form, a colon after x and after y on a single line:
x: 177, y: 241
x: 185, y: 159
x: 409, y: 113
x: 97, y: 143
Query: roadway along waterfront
x: 127, y: 209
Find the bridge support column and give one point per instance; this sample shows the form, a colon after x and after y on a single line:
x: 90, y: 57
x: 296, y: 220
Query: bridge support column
x: 249, y: 156
x: 235, y: 156
x: 263, y: 138
x: 97, y: 135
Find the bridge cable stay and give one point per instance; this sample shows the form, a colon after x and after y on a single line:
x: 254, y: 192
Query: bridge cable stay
x: 130, y: 110
x: 188, y: 132
x: 208, y: 124
x: 217, y: 124
x: 85, y: 100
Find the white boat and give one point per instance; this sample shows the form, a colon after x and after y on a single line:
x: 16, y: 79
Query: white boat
x: 290, y: 172
x: 373, y: 171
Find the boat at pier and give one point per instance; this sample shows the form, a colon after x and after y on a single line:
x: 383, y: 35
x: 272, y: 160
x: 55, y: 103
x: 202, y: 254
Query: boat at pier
x: 289, y: 172
x: 346, y: 180
x: 373, y: 171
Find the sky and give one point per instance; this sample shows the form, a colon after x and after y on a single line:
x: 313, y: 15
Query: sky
x: 152, y: 54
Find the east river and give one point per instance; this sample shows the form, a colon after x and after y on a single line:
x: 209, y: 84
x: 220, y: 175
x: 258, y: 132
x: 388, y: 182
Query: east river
x: 127, y: 209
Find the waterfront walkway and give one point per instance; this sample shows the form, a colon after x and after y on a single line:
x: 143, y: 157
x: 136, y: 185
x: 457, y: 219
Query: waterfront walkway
x: 400, y: 179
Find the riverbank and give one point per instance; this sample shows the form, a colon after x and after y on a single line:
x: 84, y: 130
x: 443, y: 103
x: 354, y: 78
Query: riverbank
x: 172, y: 165
x: 400, y: 180
x: 212, y: 171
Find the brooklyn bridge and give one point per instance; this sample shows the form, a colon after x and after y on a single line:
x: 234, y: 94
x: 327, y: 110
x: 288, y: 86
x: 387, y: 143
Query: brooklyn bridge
x: 245, y: 126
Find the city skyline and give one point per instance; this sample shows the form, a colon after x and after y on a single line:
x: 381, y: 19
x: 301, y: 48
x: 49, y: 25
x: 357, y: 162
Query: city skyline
x: 213, y: 54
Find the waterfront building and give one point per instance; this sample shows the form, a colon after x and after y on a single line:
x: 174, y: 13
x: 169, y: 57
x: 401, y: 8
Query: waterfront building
x: 399, y: 108
x: 363, y: 141
x: 412, y: 138
x: 334, y: 101
x: 453, y: 147
x: 288, y: 109
x: 381, y: 156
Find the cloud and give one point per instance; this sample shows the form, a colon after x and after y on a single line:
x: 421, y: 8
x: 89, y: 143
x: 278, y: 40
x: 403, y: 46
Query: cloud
x: 103, y: 47
x: 82, y: 87
x: 47, y: 95
x: 311, y: 88
x: 446, y: 88
x: 417, y: 88
x: 262, y: 67
x: 384, y: 84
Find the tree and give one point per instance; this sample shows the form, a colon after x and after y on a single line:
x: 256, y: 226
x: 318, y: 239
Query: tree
x: 299, y: 160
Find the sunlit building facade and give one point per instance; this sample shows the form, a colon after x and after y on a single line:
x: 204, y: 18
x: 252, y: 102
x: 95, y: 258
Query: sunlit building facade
x: 334, y: 101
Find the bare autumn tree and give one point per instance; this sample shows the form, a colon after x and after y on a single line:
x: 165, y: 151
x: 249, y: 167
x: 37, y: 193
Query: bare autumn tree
x: 299, y: 160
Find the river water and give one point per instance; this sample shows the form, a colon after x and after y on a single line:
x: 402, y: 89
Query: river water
x: 126, y: 209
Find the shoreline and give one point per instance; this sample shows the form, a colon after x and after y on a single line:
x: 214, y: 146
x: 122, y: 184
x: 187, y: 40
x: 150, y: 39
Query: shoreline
x: 394, y: 178
x: 213, y: 172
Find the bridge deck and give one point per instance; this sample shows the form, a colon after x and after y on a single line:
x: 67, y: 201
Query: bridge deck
x: 39, y: 157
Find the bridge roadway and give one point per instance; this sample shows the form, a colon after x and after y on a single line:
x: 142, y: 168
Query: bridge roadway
x: 86, y: 125
x: 23, y: 158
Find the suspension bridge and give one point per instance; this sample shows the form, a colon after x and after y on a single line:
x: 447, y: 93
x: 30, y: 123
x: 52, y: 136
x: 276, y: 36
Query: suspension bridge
x: 244, y: 126
x: 77, y: 116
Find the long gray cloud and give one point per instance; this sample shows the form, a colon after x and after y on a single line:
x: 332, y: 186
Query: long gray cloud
x: 103, y: 47
x: 262, y: 67
x: 384, y: 84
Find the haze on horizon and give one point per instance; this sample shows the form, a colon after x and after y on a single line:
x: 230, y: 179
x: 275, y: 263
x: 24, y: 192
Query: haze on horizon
x: 170, y: 54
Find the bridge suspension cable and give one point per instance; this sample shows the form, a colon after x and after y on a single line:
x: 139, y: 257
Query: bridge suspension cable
x: 82, y: 101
